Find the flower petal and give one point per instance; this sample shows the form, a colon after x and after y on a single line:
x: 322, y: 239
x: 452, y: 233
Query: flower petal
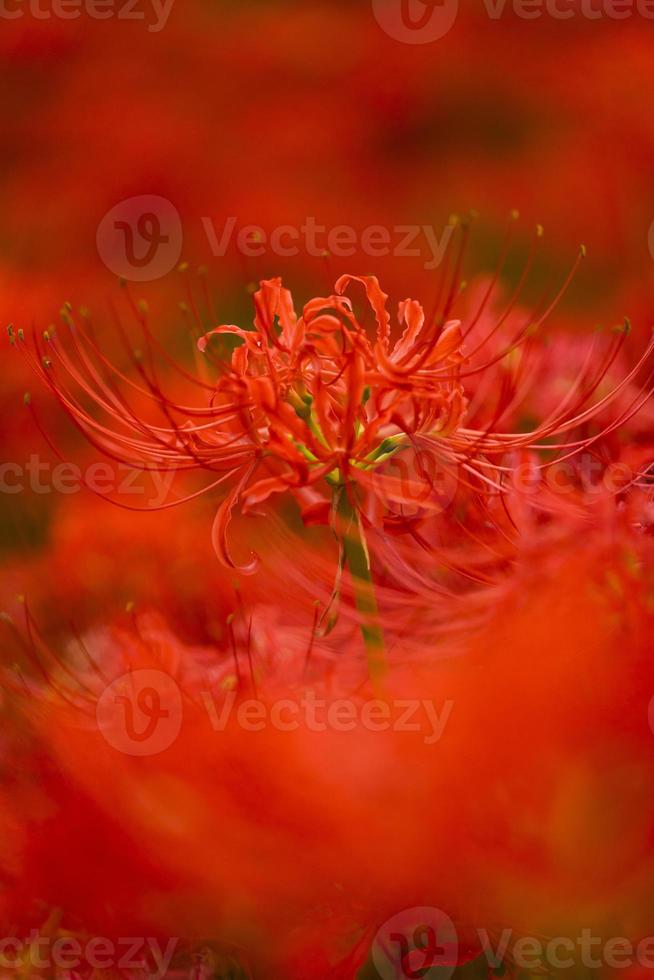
x: 377, y: 299
x: 221, y: 523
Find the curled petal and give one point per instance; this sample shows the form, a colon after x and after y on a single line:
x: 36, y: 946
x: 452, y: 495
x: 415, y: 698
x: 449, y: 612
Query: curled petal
x: 221, y: 523
x: 262, y: 392
x: 449, y: 341
x: 271, y: 301
x: 377, y: 299
x: 388, y: 366
x: 319, y: 305
x: 411, y: 313
x: 453, y: 412
x: 262, y: 490
x: 325, y: 323
x: 225, y: 328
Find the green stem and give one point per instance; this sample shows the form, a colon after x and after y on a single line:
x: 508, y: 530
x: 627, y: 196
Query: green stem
x: 358, y: 561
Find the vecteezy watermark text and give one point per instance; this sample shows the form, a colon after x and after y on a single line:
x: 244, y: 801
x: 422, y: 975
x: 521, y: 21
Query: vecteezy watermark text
x: 141, y: 238
x: 426, y: 21
x: 42, y: 952
x: 342, y: 241
x: 423, y: 942
x: 421, y: 477
x: 141, y: 713
x: 154, y: 13
x: 41, y: 477
x: 316, y: 714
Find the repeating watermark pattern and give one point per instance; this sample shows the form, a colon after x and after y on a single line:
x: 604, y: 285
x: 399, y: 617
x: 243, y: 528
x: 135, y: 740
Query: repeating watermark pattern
x: 416, y: 943
x: 149, y: 957
x: 416, y: 21
x: 342, y: 241
x: 35, y: 475
x: 315, y: 714
x: 418, y: 479
x: 153, y: 13
x: 424, y: 942
x: 569, y: 9
x: 650, y: 715
x: 140, y: 239
x: 141, y: 713
x: 427, y: 21
x: 415, y: 479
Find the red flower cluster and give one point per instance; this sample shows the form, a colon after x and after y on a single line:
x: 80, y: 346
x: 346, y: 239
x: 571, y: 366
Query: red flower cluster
x: 235, y: 764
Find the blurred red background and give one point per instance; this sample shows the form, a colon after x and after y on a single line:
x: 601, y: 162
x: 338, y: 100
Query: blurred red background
x: 278, y: 114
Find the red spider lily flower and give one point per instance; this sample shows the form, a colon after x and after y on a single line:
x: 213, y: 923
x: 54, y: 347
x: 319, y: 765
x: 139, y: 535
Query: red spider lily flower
x: 319, y: 404
x: 313, y: 406
x: 327, y: 402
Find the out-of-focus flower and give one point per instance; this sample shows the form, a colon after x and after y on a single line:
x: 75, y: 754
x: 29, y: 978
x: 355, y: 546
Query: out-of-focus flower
x: 531, y: 810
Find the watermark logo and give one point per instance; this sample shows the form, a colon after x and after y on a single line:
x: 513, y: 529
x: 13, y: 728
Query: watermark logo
x: 650, y: 715
x: 140, y: 713
x: 570, y: 9
x: 416, y: 943
x: 310, y: 713
x: 423, y: 942
x: 426, y: 21
x: 414, y: 480
x: 140, y: 239
x: 409, y: 481
x: 416, y: 21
